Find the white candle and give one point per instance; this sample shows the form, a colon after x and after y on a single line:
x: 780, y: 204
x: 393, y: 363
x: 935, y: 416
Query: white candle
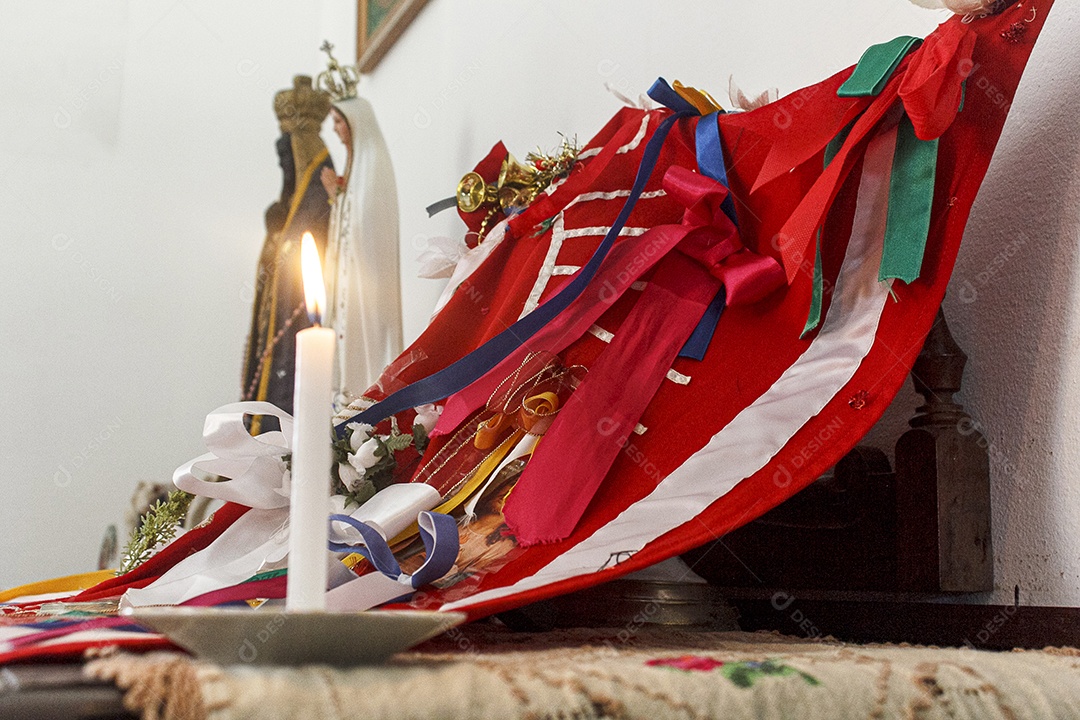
x: 311, y: 451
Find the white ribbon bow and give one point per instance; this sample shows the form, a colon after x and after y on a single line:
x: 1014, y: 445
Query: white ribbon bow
x: 253, y: 475
x: 252, y: 467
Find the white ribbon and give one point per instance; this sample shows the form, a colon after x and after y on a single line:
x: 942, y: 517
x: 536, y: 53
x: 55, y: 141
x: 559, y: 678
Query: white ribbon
x: 390, y: 511
x: 469, y: 262
x: 252, y: 472
x: 440, y: 257
x: 253, y: 466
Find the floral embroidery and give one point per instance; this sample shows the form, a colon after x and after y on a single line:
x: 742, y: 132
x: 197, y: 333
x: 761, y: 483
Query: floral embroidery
x: 742, y: 673
x: 687, y: 663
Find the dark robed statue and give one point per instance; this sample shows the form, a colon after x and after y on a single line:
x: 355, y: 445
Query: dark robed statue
x: 279, y: 311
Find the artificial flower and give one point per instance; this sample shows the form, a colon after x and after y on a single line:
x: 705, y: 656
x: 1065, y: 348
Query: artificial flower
x: 365, y: 456
x: 350, y: 476
x: 427, y: 416
x: 359, y: 435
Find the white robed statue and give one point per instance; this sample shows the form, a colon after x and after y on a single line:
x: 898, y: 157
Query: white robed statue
x: 362, y: 257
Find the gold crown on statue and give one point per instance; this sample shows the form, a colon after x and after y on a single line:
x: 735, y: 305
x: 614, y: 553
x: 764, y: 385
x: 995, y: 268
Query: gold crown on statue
x: 301, y: 107
x: 337, y: 81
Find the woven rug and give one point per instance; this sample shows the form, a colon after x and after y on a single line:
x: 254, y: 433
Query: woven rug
x: 487, y: 672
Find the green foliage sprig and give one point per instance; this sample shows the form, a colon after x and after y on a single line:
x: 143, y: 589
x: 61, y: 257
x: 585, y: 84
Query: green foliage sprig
x: 157, y: 527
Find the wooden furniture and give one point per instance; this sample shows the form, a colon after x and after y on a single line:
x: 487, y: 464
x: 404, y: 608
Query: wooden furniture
x: 923, y: 528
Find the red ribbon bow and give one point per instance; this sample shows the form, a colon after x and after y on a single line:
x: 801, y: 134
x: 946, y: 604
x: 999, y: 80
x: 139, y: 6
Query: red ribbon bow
x: 932, y: 86
x: 713, y: 240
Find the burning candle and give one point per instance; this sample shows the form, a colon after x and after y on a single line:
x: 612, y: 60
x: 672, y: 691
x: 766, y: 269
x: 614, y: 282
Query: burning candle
x: 311, y: 451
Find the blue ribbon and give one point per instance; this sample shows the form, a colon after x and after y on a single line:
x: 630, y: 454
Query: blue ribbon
x: 699, y: 340
x: 468, y: 369
x: 663, y: 93
x: 440, y: 542
x: 710, y: 160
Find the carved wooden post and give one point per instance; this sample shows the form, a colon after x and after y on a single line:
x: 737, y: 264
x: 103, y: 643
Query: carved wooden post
x: 943, y: 481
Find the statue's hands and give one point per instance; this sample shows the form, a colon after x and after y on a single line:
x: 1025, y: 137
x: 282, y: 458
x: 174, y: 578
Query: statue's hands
x: 330, y: 182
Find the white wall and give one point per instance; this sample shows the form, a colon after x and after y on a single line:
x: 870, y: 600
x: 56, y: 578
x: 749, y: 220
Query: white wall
x: 136, y: 159
x: 157, y: 188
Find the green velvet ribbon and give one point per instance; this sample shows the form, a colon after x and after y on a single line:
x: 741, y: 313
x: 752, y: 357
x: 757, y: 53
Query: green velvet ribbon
x: 814, y: 318
x: 907, y: 225
x: 876, y: 66
x: 816, y: 299
x: 911, y: 198
x: 911, y: 187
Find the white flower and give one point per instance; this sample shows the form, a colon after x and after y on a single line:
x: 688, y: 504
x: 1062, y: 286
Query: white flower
x: 360, y: 433
x: 365, y: 457
x: 341, y: 505
x: 350, y: 476
x: 427, y: 416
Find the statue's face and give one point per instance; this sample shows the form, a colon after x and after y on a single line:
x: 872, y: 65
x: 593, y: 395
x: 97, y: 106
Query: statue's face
x: 284, y: 151
x: 341, y: 127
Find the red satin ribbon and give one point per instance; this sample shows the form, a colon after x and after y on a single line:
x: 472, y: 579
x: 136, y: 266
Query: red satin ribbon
x: 932, y: 86
x: 711, y: 239
x: 629, y: 259
x: 552, y: 493
x: 187, y: 544
x: 929, y: 83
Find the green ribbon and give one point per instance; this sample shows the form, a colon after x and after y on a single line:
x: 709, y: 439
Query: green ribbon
x: 911, y: 198
x: 816, y: 299
x: 266, y: 575
x: 814, y: 317
x: 876, y: 66
x: 911, y: 187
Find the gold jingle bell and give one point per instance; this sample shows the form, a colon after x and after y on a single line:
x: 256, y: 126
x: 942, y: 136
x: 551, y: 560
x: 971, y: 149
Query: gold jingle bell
x: 518, y: 184
x: 472, y: 193
x: 516, y: 187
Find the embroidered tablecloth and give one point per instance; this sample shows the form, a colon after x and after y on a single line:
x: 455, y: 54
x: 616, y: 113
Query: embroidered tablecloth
x: 635, y: 672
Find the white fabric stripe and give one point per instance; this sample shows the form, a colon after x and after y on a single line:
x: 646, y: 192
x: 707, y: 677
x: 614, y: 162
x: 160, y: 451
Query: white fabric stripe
x: 612, y: 195
x: 557, y: 183
x: 558, y: 236
x: 761, y: 430
x: 565, y: 269
x: 677, y: 377
x: 625, y: 148
x: 606, y: 336
x: 600, y: 231
x: 637, y: 138
x: 602, y: 334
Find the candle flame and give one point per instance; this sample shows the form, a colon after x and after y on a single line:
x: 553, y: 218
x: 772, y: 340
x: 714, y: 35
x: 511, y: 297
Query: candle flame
x: 314, y: 288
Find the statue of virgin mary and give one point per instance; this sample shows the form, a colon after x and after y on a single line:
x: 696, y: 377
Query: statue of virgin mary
x: 362, y: 259
x: 279, y: 310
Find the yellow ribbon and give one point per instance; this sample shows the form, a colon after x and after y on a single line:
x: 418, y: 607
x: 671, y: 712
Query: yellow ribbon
x: 67, y: 583
x: 476, y: 479
x: 534, y: 417
x: 700, y: 99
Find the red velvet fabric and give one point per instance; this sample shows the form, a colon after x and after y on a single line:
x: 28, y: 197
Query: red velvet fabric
x: 783, y: 197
